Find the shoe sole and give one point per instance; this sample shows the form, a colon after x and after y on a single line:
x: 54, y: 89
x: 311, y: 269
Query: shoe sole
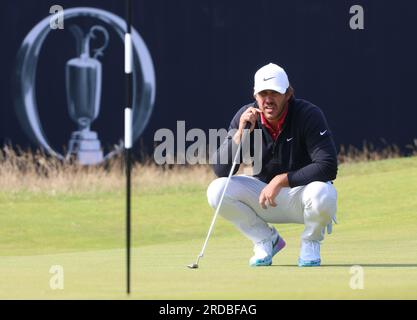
x: 262, y: 262
x: 304, y: 263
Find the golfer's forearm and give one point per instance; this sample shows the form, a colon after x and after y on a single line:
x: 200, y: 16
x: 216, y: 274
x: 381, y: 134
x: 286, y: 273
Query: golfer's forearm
x: 237, y: 137
x: 312, y: 172
x: 281, y: 180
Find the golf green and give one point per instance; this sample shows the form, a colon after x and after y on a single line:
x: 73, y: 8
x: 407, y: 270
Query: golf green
x: 71, y: 246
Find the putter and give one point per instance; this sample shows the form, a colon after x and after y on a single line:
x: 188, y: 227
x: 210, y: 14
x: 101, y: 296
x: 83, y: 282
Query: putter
x: 245, y: 132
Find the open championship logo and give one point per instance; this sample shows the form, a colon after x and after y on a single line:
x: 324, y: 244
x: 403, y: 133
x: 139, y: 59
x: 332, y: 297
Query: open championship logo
x: 83, y: 77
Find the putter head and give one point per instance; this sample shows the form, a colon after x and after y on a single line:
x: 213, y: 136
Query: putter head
x: 193, y: 266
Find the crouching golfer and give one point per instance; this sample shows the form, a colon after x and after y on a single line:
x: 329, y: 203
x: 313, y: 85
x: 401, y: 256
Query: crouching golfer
x: 294, y: 184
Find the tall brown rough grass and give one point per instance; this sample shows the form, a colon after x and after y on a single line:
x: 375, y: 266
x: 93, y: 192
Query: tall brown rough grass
x: 37, y: 172
x: 370, y: 153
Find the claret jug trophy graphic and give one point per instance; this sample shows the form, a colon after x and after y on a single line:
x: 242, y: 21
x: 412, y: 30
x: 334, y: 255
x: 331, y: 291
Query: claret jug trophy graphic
x: 83, y: 77
x: 83, y: 83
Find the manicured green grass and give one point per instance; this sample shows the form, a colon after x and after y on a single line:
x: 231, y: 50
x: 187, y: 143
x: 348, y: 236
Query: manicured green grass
x: 84, y: 233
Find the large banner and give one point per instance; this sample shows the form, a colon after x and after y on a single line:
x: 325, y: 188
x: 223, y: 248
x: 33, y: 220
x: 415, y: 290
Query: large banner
x: 194, y: 61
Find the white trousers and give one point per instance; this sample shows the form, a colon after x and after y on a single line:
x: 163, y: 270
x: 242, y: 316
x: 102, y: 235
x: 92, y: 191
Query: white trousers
x: 313, y: 205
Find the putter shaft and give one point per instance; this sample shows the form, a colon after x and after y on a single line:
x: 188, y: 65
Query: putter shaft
x: 245, y: 133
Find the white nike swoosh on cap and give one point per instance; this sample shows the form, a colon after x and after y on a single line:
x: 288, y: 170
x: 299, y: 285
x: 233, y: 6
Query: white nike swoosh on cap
x: 321, y: 133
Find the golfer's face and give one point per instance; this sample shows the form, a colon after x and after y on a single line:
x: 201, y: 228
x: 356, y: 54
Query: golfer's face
x: 271, y: 103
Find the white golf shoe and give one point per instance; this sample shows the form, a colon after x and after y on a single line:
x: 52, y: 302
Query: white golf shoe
x: 309, y: 254
x: 266, y: 249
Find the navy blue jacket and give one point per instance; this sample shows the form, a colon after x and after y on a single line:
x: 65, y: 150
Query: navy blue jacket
x: 305, y: 148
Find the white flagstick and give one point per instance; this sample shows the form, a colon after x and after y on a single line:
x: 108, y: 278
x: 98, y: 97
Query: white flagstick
x: 128, y: 53
x: 128, y: 133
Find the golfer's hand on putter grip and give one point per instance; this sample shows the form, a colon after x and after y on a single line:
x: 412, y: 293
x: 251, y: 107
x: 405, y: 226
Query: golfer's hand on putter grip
x: 248, y: 117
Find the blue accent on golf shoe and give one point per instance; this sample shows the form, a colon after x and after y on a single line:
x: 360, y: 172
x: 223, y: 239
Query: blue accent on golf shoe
x: 308, y: 263
x: 267, y: 261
